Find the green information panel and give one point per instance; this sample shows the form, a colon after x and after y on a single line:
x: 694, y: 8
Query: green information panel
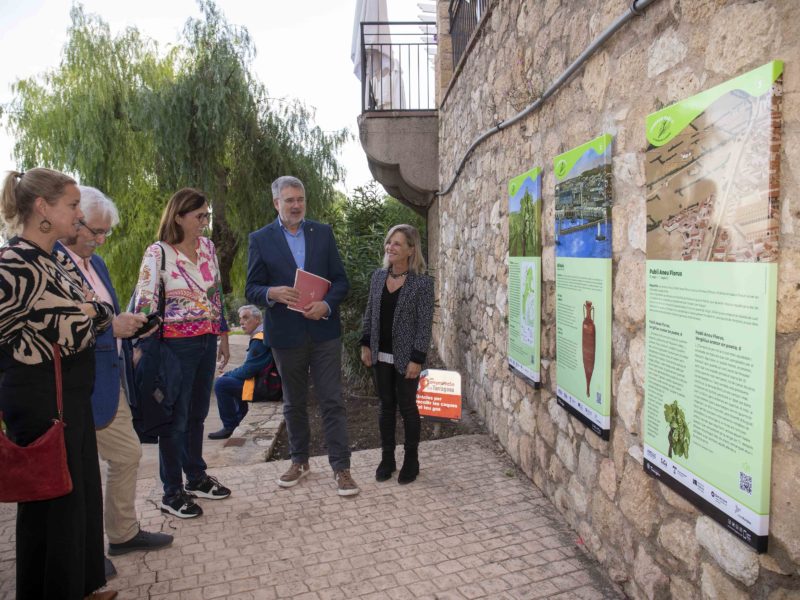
x: 583, y: 283
x: 525, y: 274
x: 712, y: 248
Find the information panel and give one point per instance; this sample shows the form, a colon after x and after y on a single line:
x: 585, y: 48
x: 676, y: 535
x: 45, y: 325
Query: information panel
x: 583, y: 283
x: 525, y: 274
x: 712, y: 249
x: 439, y: 395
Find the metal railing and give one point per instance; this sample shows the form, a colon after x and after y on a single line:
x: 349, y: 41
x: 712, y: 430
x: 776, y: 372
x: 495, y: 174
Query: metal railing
x: 464, y: 18
x: 397, y: 70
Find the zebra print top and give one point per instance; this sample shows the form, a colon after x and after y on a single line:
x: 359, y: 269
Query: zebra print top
x: 39, y: 299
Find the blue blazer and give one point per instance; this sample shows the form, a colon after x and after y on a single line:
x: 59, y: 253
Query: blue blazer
x: 109, y: 369
x: 270, y: 263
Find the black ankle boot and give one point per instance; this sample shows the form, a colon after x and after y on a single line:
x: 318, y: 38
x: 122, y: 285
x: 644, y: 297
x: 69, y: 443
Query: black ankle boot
x: 387, y: 466
x: 410, y: 469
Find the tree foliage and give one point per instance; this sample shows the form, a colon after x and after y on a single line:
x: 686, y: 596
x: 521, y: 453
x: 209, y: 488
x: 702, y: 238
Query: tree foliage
x: 360, y: 224
x: 524, y: 235
x: 140, y: 124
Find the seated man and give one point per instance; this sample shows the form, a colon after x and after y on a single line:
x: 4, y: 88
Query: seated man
x: 235, y: 388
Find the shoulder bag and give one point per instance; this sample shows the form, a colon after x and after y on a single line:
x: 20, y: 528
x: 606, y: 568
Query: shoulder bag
x: 39, y: 470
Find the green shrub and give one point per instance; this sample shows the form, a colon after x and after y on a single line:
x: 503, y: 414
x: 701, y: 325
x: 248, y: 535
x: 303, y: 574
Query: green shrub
x: 360, y: 224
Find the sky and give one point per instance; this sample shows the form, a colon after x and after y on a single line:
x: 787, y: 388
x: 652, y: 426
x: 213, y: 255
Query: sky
x: 302, y: 51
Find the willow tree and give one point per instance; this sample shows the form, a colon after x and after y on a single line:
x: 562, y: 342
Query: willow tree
x: 139, y: 124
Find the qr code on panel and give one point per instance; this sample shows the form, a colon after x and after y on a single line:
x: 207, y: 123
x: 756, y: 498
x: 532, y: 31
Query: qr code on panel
x: 746, y: 483
x: 599, y: 398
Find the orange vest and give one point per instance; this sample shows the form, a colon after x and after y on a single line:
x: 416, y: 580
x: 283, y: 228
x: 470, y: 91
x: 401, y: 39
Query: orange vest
x: 250, y: 384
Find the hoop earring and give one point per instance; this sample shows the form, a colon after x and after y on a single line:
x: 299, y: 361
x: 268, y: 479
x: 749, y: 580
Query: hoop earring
x: 45, y: 226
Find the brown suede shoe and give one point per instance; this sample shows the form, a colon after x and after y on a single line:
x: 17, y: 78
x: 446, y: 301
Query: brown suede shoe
x: 293, y: 476
x: 346, y: 485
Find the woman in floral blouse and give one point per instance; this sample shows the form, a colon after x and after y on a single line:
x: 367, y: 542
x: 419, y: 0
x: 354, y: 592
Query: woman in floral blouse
x: 44, y: 309
x: 193, y: 323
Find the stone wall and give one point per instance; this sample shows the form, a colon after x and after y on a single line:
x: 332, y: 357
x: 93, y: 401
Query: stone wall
x: 651, y: 541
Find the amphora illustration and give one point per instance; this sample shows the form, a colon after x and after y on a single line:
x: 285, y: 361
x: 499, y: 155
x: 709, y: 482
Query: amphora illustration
x: 588, y: 342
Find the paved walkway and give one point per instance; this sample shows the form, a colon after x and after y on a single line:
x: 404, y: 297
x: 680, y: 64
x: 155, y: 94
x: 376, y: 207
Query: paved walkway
x: 469, y: 527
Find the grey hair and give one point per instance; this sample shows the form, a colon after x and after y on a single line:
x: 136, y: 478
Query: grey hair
x: 254, y: 311
x: 284, y: 182
x: 95, y: 202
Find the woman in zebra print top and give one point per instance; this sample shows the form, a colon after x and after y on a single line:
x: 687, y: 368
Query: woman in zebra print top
x: 59, y: 541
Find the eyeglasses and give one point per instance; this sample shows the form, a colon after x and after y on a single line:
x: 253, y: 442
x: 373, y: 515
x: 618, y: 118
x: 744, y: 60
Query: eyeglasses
x: 204, y: 217
x: 96, y: 232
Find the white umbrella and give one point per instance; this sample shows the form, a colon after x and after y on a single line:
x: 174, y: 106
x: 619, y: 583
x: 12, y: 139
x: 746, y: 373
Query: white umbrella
x: 383, y: 87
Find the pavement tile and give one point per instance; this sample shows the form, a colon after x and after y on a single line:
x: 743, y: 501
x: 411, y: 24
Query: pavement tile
x: 463, y: 530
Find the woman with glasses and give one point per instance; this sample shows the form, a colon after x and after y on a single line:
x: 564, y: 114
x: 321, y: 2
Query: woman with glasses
x: 195, y: 330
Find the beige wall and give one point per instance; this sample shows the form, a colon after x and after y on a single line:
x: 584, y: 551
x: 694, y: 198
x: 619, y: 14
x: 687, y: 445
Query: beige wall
x: 652, y: 542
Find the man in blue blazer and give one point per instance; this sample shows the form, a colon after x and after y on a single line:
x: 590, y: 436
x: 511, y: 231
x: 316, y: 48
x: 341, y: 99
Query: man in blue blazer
x: 303, y: 340
x: 117, y: 442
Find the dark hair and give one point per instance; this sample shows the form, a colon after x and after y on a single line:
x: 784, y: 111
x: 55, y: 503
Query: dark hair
x: 183, y: 201
x: 20, y: 191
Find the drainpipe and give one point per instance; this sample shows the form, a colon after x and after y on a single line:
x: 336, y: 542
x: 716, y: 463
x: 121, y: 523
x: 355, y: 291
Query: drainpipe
x: 635, y: 9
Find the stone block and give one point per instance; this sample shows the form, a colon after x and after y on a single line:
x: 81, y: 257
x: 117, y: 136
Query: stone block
x: 791, y: 391
x: 784, y: 524
x: 733, y: 556
x: 637, y: 499
x: 678, y: 538
x: 649, y: 576
x: 665, y: 52
x: 629, y: 290
x: 736, y: 34
x: 608, y: 478
x: 788, y: 317
x: 566, y: 451
x: 628, y: 401
x: 715, y: 586
x: 587, y: 464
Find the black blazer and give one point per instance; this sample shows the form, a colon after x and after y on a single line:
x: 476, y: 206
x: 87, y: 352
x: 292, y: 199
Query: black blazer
x: 270, y: 263
x: 413, y: 319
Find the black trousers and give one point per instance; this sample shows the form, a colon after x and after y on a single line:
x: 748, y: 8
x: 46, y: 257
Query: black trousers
x: 397, y: 393
x: 59, y: 541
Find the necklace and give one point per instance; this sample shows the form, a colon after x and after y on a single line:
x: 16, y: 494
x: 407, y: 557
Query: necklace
x: 397, y: 275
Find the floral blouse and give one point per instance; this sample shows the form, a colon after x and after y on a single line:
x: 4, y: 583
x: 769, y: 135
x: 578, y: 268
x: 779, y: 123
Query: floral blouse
x: 193, y: 291
x: 39, y: 299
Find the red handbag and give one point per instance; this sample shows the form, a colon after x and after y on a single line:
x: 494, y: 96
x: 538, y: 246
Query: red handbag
x: 39, y: 470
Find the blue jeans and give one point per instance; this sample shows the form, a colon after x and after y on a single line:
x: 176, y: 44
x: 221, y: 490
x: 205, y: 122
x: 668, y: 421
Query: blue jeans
x: 181, y: 451
x: 232, y: 409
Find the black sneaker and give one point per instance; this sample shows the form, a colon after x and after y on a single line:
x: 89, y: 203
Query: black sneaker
x: 144, y: 540
x: 208, y: 487
x: 222, y: 434
x: 182, y: 505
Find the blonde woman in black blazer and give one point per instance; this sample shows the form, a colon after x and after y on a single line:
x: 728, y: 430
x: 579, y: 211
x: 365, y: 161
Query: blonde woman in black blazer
x: 395, y: 341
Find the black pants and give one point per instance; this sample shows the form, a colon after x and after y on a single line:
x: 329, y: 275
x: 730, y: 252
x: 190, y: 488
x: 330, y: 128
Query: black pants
x: 397, y: 392
x: 59, y: 541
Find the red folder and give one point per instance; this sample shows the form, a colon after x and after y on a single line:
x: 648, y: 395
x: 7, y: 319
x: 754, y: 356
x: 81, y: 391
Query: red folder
x: 312, y: 288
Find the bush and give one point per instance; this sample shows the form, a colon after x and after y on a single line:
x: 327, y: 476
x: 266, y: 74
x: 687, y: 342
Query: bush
x: 360, y: 224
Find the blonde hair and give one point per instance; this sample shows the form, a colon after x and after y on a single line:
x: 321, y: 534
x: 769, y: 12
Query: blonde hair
x: 183, y: 201
x: 416, y: 262
x: 21, y: 189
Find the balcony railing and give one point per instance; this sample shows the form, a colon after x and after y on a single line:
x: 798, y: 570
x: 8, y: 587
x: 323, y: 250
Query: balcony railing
x: 464, y: 18
x: 397, y: 70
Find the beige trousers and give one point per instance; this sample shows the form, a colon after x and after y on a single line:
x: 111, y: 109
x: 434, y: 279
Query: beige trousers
x: 118, y: 445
